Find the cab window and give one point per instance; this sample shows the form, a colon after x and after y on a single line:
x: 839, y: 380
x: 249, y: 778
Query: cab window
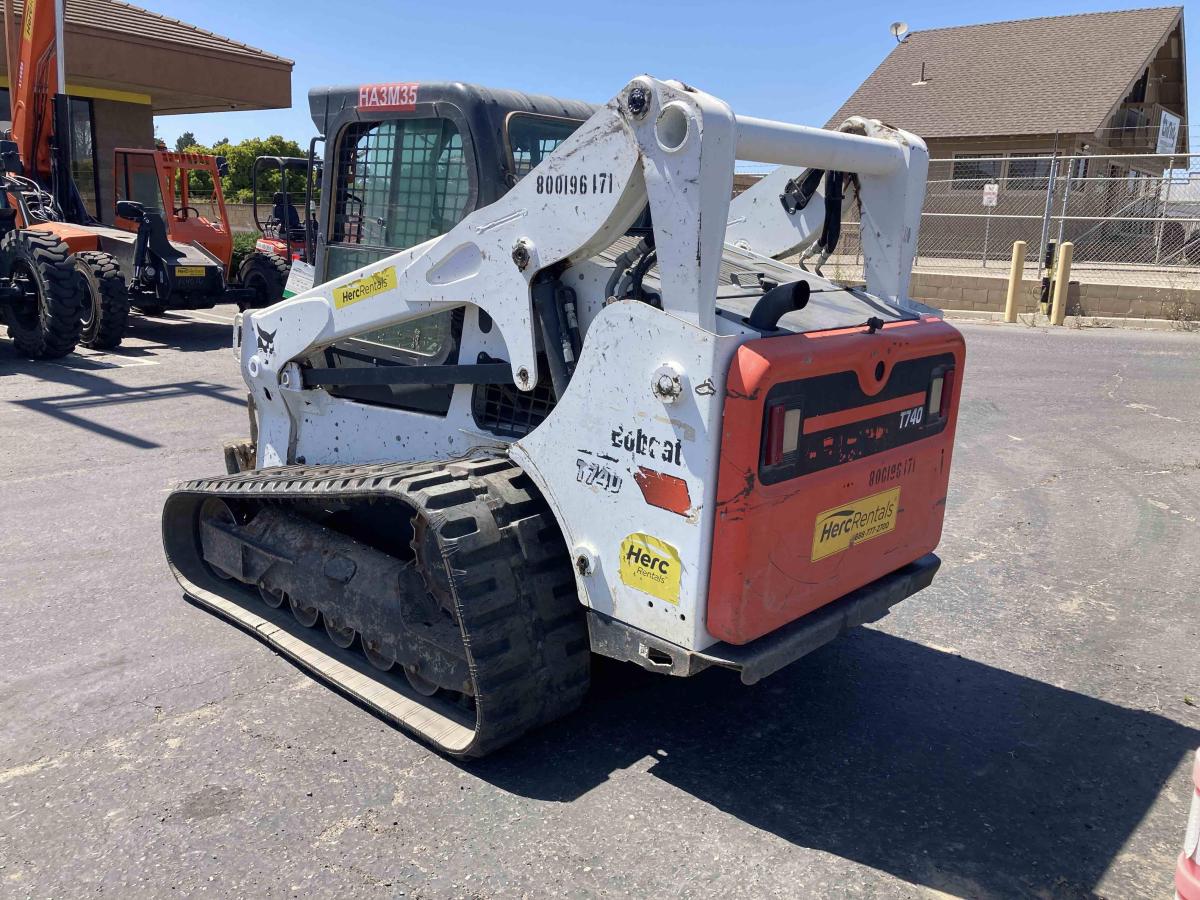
x: 398, y: 183
x: 137, y: 180
x: 531, y: 138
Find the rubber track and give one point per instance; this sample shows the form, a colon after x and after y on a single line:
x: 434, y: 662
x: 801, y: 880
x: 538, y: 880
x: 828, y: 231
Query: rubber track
x: 112, y: 318
x: 60, y: 321
x: 523, y: 628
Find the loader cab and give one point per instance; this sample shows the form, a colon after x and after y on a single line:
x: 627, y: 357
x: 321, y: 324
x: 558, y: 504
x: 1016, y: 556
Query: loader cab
x: 185, y: 186
x: 405, y: 162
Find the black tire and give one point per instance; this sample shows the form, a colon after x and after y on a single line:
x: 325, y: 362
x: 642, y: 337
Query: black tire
x: 266, y: 274
x: 105, y: 313
x: 46, y: 323
x: 150, y: 309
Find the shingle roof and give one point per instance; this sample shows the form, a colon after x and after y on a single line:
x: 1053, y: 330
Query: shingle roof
x: 1034, y: 76
x: 115, y: 15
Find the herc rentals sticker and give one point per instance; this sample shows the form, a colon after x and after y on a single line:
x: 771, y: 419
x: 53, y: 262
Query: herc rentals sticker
x: 651, y: 566
x: 365, y: 288
x: 852, y: 523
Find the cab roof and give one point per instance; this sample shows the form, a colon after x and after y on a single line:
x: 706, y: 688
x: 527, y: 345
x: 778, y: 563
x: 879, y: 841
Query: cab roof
x: 328, y: 105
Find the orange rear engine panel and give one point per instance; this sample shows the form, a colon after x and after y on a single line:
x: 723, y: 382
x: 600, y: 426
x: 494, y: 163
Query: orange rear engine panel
x: 835, y: 460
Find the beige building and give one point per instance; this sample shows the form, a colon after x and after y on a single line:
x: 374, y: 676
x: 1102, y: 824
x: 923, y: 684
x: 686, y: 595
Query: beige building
x: 126, y: 65
x: 996, y: 103
x: 1097, y: 83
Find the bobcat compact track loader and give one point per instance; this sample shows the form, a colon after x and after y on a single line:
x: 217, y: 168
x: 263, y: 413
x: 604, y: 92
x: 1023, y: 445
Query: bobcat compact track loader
x: 570, y: 418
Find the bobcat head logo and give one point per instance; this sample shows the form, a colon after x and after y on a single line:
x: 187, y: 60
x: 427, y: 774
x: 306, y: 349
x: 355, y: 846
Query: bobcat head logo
x: 266, y: 340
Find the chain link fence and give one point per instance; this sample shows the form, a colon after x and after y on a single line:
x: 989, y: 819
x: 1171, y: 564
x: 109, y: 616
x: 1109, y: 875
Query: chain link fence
x: 1134, y: 220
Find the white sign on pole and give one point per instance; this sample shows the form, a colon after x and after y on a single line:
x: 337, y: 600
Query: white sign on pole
x: 1168, y: 133
x: 991, y: 194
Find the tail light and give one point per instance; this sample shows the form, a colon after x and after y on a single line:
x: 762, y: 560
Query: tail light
x: 783, y: 433
x: 940, y: 389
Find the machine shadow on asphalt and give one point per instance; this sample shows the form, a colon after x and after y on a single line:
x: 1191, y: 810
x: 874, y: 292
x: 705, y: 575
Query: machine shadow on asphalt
x: 179, y: 332
x: 97, y: 391
x: 154, y: 336
x: 942, y: 771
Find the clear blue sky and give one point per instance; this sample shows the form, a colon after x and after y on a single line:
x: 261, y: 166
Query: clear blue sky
x: 792, y: 61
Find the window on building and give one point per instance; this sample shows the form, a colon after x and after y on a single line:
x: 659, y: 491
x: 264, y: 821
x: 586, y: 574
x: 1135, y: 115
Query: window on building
x: 532, y: 138
x: 1079, y: 174
x: 1141, y: 184
x: 1029, y: 171
x: 83, y: 152
x: 973, y: 170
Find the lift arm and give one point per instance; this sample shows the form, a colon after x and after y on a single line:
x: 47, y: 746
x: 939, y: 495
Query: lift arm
x: 766, y: 220
x: 657, y: 142
x: 40, y: 122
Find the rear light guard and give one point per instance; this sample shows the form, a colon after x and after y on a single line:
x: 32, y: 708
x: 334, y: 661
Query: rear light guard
x: 815, y: 423
x: 941, y: 389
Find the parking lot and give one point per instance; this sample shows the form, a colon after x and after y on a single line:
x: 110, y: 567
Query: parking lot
x: 1022, y: 728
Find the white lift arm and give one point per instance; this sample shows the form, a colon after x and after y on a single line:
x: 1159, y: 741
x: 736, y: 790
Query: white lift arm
x: 891, y: 166
x: 660, y: 142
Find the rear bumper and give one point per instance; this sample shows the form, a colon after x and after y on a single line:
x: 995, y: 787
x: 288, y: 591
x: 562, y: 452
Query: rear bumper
x: 773, y: 651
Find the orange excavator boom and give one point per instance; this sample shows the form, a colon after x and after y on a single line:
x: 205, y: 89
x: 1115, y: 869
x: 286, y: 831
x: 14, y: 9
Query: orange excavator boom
x: 39, y: 77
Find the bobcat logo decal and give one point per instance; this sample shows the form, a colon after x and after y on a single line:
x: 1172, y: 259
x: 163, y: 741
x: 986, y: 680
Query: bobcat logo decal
x: 266, y: 339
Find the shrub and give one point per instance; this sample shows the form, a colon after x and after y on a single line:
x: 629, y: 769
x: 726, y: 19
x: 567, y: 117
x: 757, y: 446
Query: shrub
x: 243, y: 246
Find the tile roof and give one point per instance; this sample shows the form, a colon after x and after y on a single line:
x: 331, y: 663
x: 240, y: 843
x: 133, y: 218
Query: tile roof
x: 116, y: 15
x: 1034, y: 76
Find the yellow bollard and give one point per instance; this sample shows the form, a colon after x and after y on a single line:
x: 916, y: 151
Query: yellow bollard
x: 1014, y: 281
x: 1062, y: 275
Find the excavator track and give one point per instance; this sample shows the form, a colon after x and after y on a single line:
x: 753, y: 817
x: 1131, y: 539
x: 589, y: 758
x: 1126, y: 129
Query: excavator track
x: 479, y: 603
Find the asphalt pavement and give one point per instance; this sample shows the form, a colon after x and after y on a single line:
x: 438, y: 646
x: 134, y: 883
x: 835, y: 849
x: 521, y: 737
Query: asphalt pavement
x: 1024, y: 727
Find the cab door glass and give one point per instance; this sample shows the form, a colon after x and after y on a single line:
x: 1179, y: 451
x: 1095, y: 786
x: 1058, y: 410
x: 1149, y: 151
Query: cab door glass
x: 399, y: 183
x: 137, y: 180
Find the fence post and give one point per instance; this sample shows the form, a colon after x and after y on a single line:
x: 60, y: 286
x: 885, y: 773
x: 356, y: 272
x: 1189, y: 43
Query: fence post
x: 1014, y: 281
x: 1062, y: 278
x: 1048, y: 211
x: 1062, y: 219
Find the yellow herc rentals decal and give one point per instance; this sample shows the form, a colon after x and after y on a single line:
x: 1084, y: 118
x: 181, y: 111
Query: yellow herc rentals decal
x: 852, y: 523
x: 651, y: 566
x: 365, y: 288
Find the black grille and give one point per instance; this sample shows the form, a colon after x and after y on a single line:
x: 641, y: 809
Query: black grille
x: 505, y: 411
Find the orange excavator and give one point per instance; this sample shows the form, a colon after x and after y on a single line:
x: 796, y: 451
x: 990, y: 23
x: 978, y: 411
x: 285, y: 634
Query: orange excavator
x: 143, y: 262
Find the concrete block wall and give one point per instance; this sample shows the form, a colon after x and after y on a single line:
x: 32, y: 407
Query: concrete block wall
x: 983, y: 293
x: 241, y: 216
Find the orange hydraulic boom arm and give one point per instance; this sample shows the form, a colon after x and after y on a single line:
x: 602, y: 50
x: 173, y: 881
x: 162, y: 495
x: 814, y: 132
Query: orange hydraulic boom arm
x: 38, y: 79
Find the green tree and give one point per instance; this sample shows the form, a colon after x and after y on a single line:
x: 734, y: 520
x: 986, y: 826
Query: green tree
x: 185, y: 140
x: 240, y: 159
x: 241, y: 156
